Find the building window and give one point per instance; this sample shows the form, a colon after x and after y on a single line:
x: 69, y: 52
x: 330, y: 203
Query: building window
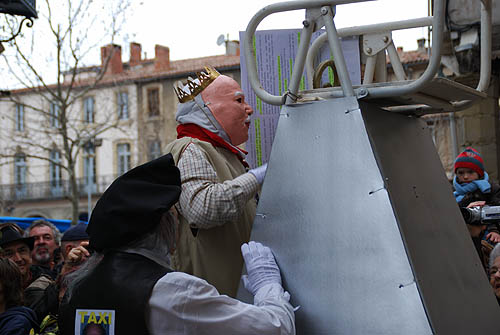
x: 88, y: 109
x: 154, y: 149
x: 55, y: 172
x: 55, y: 112
x: 153, y: 102
x: 20, y: 174
x: 123, y: 151
x: 19, y: 117
x: 89, y: 166
x: 122, y: 99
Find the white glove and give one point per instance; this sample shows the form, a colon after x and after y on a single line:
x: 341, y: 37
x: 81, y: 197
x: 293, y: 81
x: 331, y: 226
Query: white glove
x: 259, y: 173
x: 261, y: 266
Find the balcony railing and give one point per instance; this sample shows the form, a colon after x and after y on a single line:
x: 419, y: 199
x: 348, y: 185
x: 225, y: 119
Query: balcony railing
x: 55, y: 189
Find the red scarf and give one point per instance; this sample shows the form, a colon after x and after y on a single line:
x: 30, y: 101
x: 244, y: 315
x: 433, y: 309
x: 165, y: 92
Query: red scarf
x: 195, y: 131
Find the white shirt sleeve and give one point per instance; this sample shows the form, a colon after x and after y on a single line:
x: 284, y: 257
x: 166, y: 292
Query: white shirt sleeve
x: 183, y: 304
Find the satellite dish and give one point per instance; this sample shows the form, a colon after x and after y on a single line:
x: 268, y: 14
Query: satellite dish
x: 221, y: 39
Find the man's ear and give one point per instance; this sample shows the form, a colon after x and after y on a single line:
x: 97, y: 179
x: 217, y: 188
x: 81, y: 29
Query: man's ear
x: 67, y: 249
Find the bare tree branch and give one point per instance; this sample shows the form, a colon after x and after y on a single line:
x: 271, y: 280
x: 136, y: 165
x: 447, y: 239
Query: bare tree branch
x: 53, y: 120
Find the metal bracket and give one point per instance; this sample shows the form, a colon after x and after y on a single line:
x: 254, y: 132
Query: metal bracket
x: 374, y: 43
x: 29, y: 24
x: 314, y: 16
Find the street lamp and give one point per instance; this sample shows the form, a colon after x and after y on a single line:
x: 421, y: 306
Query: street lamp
x: 26, y: 8
x: 19, y: 7
x: 90, y: 146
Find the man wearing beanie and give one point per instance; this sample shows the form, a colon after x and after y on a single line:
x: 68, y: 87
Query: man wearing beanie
x: 128, y: 287
x: 473, y: 188
x: 73, y: 237
x: 217, y: 203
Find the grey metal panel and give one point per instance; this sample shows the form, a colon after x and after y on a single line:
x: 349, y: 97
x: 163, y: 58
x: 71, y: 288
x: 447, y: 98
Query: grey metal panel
x: 326, y: 215
x: 455, y: 290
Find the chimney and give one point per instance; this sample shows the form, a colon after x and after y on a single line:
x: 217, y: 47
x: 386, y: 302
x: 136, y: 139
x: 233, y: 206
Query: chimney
x: 421, y: 45
x: 400, y: 50
x: 232, y: 48
x: 162, y: 57
x: 135, y: 54
x: 114, y: 53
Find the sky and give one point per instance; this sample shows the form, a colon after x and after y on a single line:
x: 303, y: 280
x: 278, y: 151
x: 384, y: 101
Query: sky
x: 191, y: 28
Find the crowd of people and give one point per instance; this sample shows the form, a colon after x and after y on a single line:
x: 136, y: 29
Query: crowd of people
x: 166, y: 243
x: 40, y: 276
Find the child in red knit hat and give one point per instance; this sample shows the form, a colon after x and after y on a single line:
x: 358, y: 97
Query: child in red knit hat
x: 473, y: 188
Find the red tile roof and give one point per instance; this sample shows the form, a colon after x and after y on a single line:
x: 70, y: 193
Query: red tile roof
x: 180, y: 68
x: 412, y: 57
x: 146, y: 70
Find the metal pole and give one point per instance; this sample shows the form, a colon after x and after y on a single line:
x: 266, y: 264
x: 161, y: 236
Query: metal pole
x: 453, y: 135
x: 361, y: 30
x: 88, y: 187
x: 253, y: 77
x: 89, y: 179
x: 371, y: 61
x: 336, y: 49
x: 396, y: 63
x: 485, y: 70
x: 300, y: 58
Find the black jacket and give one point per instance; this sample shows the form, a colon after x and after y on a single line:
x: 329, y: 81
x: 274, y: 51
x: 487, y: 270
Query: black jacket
x: 122, y: 283
x: 18, y: 321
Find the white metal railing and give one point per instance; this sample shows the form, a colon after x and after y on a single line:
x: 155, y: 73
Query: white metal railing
x: 320, y: 13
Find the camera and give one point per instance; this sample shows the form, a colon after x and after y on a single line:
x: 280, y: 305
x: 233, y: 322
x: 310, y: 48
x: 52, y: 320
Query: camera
x: 481, y: 215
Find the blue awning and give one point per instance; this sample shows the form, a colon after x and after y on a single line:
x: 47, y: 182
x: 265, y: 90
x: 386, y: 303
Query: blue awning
x: 24, y: 223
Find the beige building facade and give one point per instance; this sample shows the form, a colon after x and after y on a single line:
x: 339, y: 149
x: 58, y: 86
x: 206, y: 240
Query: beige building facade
x: 134, y: 104
x: 138, y: 98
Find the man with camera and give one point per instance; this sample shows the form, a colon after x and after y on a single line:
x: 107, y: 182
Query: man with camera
x: 473, y: 190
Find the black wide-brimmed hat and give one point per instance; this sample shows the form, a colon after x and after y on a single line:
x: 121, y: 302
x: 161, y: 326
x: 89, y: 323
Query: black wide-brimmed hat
x: 134, y: 203
x: 9, y: 234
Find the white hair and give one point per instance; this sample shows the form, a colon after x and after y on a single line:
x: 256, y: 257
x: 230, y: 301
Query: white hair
x: 495, y: 253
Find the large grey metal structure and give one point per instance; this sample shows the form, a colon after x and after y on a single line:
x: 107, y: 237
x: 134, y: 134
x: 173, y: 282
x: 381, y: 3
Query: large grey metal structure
x: 356, y: 205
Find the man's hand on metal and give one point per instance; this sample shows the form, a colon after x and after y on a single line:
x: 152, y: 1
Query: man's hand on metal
x: 261, y: 266
x: 259, y: 173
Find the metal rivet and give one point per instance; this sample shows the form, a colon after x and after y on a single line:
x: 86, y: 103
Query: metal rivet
x: 368, y: 50
x: 305, y: 23
x: 386, y: 39
x: 324, y: 11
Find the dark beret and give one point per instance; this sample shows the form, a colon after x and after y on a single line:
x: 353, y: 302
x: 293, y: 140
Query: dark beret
x: 76, y: 233
x: 134, y: 203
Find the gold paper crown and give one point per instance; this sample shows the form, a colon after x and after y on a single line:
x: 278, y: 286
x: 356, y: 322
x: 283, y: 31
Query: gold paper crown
x: 193, y: 87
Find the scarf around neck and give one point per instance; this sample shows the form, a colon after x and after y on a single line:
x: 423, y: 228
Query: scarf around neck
x: 462, y: 189
x: 195, y: 131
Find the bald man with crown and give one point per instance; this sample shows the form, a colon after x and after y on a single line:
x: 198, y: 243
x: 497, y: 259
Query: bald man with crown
x: 217, y: 203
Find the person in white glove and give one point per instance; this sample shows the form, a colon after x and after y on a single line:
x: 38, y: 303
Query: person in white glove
x: 261, y: 267
x: 135, y: 243
x: 183, y: 304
